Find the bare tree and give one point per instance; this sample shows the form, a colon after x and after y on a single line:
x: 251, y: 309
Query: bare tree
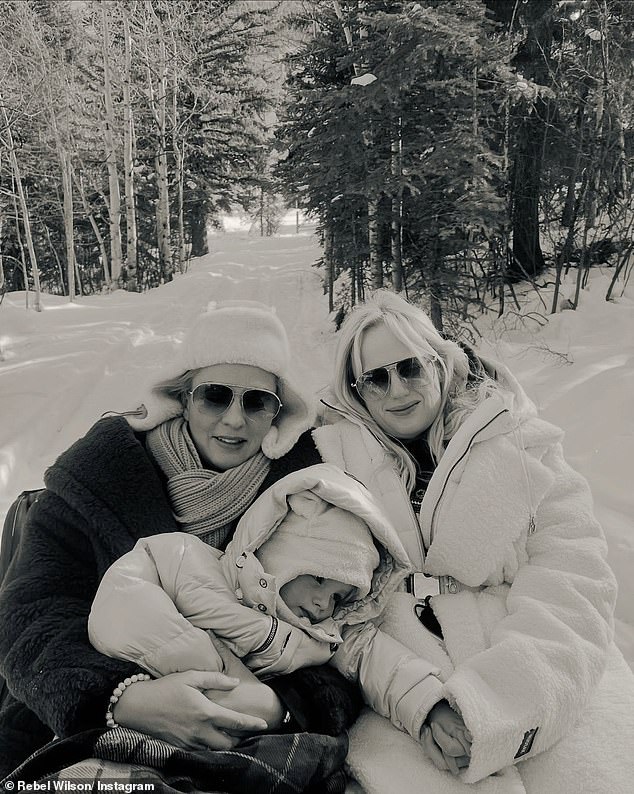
x: 93, y: 224
x: 111, y: 153
x: 128, y: 159
x: 157, y: 97
x: 35, y: 272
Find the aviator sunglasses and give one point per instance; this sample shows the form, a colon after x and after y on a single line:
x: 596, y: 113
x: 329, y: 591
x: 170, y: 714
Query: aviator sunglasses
x: 215, y: 399
x: 375, y: 383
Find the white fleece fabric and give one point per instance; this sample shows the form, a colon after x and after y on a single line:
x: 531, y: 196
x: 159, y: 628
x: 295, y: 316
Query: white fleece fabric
x: 172, y: 588
x: 528, y: 653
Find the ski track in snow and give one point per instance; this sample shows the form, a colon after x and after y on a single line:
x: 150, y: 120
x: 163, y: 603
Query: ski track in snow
x: 61, y: 369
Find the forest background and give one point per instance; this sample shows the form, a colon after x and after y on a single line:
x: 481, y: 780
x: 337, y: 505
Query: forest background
x: 448, y: 149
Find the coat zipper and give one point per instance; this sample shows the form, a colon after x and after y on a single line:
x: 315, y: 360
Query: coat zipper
x: 417, y: 526
x: 449, y: 473
x: 517, y: 431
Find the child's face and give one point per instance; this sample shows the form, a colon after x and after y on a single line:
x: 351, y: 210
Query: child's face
x: 313, y: 597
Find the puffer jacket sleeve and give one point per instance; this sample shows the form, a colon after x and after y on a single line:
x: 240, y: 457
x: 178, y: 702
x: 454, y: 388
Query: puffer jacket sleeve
x: 156, y: 604
x: 394, y: 681
x: 134, y: 615
x: 529, y: 688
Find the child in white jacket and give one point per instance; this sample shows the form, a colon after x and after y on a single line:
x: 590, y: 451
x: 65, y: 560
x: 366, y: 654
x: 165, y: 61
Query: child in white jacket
x: 305, y: 579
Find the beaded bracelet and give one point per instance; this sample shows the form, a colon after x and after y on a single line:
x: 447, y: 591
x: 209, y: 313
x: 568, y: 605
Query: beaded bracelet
x: 118, y: 691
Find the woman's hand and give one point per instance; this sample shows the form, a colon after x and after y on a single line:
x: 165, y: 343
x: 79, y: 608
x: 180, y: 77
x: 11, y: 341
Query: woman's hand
x: 446, y: 739
x: 174, y: 708
x: 250, y: 696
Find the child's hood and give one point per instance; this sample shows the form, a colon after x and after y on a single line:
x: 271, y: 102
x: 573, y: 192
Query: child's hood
x: 258, y: 588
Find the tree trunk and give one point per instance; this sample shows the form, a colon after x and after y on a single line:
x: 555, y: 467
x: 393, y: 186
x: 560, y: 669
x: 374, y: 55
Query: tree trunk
x: 77, y: 274
x: 179, y: 177
x: 528, y: 259
x: 18, y: 234
x: 163, y: 208
x: 60, y: 269
x: 622, y: 182
x: 198, y: 229
x: 595, y: 165
x: 128, y: 160
x: 158, y: 106
x: 435, y: 287
x: 114, y: 206
x: 330, y: 265
x: 37, y: 303
x: 179, y: 173
x: 569, y: 207
x: 533, y: 58
x: 68, y: 223
x: 93, y: 223
x: 376, y: 266
x: 397, y: 212
x: 67, y: 204
x: 597, y: 156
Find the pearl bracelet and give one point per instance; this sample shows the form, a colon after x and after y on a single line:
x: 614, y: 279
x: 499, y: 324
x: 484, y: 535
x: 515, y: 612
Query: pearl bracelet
x: 118, y: 691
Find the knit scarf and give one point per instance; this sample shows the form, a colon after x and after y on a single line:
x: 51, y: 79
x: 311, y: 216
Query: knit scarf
x: 206, y: 503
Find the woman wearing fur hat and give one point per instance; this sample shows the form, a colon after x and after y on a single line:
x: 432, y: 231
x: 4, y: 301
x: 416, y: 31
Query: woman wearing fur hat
x: 224, y: 425
x: 305, y: 578
x: 510, y: 564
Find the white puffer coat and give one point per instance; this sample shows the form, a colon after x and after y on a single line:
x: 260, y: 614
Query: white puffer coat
x: 526, y: 603
x: 155, y: 603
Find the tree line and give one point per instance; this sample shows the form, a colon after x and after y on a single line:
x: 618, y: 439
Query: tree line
x: 454, y: 149
x: 124, y: 128
x: 446, y: 149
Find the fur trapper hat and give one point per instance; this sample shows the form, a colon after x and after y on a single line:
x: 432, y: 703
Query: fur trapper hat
x: 320, y: 539
x: 234, y: 332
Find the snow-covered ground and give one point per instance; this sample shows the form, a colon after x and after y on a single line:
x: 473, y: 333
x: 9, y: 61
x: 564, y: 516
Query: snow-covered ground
x: 62, y: 368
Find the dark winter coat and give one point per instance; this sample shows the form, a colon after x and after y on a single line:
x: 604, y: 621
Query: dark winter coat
x: 101, y: 496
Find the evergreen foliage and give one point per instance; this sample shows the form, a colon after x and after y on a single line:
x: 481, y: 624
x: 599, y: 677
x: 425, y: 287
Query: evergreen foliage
x: 430, y: 139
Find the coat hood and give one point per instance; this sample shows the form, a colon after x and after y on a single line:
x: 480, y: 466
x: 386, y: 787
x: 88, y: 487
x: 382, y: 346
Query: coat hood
x: 259, y: 588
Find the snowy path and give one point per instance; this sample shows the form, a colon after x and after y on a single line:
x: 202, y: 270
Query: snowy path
x: 61, y: 369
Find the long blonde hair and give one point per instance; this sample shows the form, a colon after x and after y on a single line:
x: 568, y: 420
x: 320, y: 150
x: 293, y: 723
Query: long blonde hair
x: 413, y: 327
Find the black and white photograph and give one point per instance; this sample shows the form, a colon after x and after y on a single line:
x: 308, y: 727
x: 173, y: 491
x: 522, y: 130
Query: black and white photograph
x: 316, y: 388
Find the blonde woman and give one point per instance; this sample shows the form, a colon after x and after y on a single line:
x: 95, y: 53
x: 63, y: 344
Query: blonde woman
x: 513, y: 590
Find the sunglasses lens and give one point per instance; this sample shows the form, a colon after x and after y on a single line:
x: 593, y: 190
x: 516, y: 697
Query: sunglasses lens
x: 409, y: 369
x: 259, y: 404
x: 213, y: 398
x: 376, y: 382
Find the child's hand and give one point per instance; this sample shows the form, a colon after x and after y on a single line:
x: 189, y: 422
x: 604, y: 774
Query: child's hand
x: 445, y: 738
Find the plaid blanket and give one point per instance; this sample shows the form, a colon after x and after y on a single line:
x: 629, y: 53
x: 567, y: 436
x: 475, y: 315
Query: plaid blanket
x: 116, y: 760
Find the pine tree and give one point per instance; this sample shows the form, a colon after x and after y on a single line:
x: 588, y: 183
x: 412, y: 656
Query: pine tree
x: 386, y: 105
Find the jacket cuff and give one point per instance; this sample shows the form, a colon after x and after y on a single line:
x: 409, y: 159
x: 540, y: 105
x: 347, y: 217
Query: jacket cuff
x: 415, y: 705
x: 501, y: 738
